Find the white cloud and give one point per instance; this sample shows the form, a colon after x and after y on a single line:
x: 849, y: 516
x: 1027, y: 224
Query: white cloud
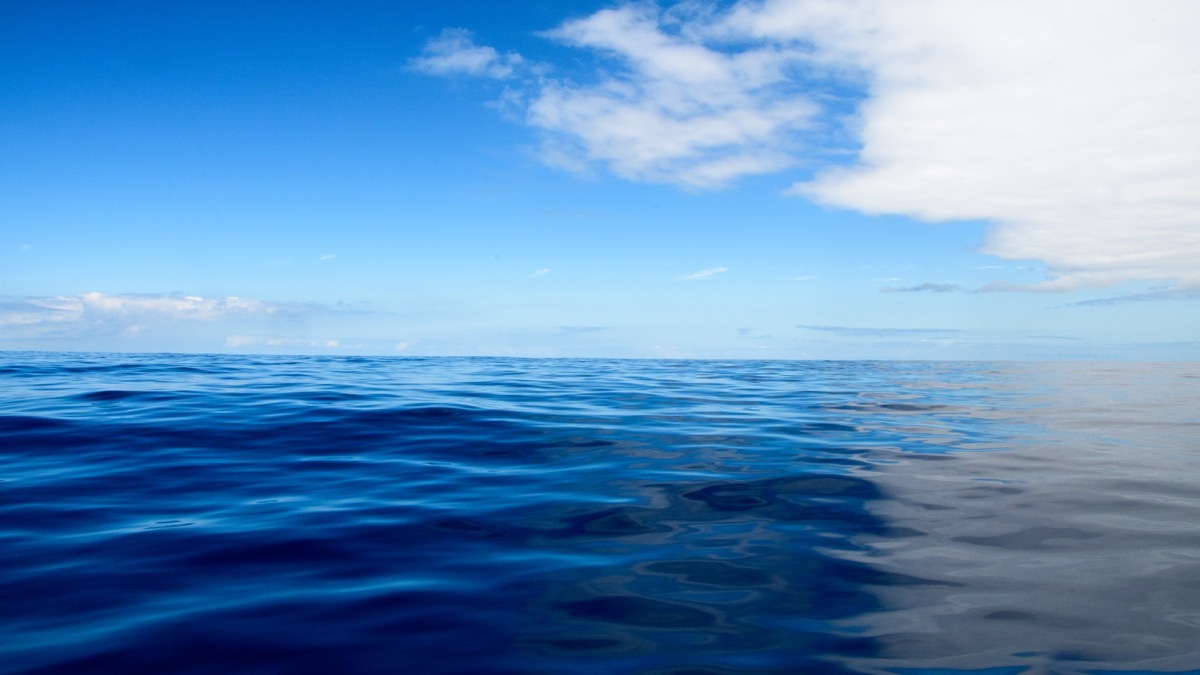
x: 539, y: 272
x: 178, y: 322
x: 328, y: 256
x: 454, y: 52
x: 167, y: 306
x: 675, y: 110
x: 1071, y: 126
x: 704, y: 274
x: 100, y: 314
x: 96, y: 306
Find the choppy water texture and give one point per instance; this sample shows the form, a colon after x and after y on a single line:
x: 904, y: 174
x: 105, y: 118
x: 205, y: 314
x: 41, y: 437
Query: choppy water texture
x: 196, y: 514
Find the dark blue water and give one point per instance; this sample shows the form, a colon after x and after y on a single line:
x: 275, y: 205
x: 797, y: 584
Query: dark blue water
x: 229, y: 514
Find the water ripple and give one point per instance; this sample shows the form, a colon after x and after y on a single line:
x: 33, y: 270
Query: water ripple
x: 192, y: 513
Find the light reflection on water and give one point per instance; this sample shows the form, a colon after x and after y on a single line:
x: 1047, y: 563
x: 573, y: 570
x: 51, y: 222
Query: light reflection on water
x: 250, y: 514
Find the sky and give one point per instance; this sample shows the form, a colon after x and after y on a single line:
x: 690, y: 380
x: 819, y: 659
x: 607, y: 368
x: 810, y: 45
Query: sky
x: 799, y: 179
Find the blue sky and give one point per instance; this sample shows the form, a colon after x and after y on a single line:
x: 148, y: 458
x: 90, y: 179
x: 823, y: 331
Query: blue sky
x: 725, y: 180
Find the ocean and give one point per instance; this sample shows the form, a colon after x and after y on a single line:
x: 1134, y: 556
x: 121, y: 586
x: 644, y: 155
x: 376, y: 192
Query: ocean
x: 306, y: 514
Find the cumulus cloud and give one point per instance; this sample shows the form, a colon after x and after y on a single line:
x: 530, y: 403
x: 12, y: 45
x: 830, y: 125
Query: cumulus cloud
x: 454, y: 52
x: 662, y: 104
x: 670, y: 107
x: 99, y: 306
x: 175, y: 306
x: 704, y: 274
x: 98, y: 313
x: 180, y: 322
x: 1070, y: 126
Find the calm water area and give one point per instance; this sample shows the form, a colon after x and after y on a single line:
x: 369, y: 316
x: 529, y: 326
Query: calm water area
x: 256, y: 514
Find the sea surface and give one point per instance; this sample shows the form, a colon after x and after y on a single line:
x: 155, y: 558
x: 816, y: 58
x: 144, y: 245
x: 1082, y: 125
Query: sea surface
x: 248, y: 514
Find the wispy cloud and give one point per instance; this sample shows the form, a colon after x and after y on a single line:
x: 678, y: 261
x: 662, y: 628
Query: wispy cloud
x: 1152, y: 296
x: 920, y: 288
x: 753, y: 333
x: 173, y: 306
x: 98, y: 313
x: 676, y: 108
x: 244, y: 341
x: 704, y: 274
x: 292, y: 344
x: 859, y: 331
x: 328, y: 256
x: 539, y: 273
x: 454, y: 52
x: 666, y: 106
x: 580, y: 330
x: 1075, y: 137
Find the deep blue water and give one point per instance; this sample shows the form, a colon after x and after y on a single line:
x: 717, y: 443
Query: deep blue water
x: 238, y: 514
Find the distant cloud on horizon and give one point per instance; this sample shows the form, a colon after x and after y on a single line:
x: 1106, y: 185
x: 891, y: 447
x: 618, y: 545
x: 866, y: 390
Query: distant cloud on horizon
x: 857, y: 331
x: 1152, y: 296
x: 580, y: 330
x: 753, y: 333
x: 921, y: 288
x: 242, y: 341
x: 101, y: 314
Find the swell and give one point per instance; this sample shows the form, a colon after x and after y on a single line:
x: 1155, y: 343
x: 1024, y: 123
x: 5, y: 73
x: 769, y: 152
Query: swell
x: 256, y: 514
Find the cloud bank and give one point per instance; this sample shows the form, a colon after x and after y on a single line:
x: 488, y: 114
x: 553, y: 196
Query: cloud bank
x: 100, y: 306
x: 1069, y: 126
x: 100, y: 314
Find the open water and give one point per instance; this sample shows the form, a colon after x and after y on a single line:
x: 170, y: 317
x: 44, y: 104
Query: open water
x: 244, y: 514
